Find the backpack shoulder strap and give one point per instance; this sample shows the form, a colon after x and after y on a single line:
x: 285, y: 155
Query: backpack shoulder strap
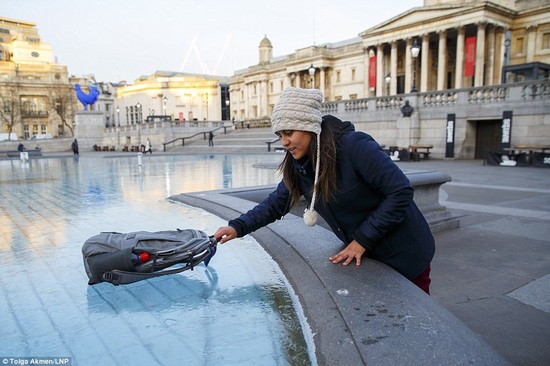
x: 118, y: 277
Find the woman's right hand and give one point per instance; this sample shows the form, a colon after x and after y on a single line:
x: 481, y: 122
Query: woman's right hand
x: 225, y: 233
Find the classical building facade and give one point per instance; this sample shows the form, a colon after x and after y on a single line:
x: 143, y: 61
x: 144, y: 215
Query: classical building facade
x: 36, y: 96
x: 446, y: 44
x: 175, y: 96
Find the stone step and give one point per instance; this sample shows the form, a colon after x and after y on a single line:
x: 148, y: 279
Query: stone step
x: 240, y: 140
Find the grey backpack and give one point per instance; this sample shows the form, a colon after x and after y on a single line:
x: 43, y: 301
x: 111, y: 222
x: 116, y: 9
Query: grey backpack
x: 126, y: 258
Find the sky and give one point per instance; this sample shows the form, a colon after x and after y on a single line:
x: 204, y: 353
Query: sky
x: 118, y: 40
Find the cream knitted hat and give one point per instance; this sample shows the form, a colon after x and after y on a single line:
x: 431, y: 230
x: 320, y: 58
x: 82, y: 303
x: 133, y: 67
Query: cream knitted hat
x: 300, y: 109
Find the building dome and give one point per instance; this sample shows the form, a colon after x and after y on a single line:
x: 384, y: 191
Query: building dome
x: 266, y: 51
x: 265, y: 43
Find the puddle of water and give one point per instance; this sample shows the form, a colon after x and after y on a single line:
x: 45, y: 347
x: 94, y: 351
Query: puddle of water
x: 236, y: 311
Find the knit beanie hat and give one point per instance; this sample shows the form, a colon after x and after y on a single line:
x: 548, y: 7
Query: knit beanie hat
x: 300, y: 109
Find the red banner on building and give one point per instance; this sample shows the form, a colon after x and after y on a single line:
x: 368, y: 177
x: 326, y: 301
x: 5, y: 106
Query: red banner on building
x: 372, y: 71
x: 470, y: 61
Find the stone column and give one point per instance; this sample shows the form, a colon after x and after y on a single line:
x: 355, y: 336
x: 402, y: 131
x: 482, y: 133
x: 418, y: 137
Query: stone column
x: 247, y: 106
x: 501, y: 53
x: 265, y: 107
x: 459, y: 58
x: 322, y: 81
x: 425, y: 53
x: 393, y: 68
x: 408, y: 65
x: 530, y: 49
x: 480, y: 54
x: 442, y: 61
x: 380, y: 71
x: 490, y: 74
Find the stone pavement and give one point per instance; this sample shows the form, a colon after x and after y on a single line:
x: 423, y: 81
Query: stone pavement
x: 493, y: 272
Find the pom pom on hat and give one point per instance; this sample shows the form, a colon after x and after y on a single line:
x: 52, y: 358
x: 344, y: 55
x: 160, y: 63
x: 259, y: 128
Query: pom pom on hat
x: 310, y: 217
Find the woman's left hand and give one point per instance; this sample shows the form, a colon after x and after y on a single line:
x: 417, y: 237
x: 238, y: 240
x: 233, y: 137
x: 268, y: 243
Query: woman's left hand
x: 353, y: 250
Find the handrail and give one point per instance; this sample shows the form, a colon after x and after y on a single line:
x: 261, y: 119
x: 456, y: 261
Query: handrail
x: 271, y: 142
x: 164, y: 144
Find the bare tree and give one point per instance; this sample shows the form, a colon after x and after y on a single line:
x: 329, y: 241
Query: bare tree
x: 62, y: 101
x: 10, y: 105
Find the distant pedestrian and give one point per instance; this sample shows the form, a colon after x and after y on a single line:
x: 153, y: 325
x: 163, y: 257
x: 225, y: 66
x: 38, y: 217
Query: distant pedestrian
x: 20, y: 147
x: 148, y: 147
x: 74, y: 147
x: 210, y: 139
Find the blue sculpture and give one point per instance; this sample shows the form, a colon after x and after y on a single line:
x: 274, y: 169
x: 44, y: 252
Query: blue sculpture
x: 86, y: 99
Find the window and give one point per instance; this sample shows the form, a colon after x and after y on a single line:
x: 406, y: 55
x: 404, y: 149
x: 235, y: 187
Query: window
x: 34, y: 106
x: 271, y: 86
x: 352, y: 74
x: 337, y: 76
x: 6, y: 106
x: 353, y: 96
x: 545, y: 41
x: 338, y: 98
x: 518, y: 45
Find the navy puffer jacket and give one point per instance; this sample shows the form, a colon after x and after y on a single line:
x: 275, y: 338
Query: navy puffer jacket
x: 374, y: 204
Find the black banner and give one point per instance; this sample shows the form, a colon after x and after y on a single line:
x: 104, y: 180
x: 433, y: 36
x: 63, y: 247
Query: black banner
x: 506, y: 133
x: 450, y: 137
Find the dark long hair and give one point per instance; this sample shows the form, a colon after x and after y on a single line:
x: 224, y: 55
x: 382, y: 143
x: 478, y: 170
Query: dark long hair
x: 326, y: 184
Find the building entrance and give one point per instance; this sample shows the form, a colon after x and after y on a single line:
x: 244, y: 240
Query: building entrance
x: 488, y: 134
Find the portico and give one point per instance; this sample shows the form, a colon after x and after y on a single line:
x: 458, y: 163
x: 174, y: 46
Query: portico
x: 442, y: 58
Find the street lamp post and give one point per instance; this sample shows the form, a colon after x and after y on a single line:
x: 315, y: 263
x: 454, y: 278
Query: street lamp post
x: 191, y: 100
x: 415, y: 50
x: 311, y: 71
x: 118, y: 128
x: 138, y: 121
x: 206, y: 103
x: 388, y: 81
x: 228, y: 110
x: 507, y: 43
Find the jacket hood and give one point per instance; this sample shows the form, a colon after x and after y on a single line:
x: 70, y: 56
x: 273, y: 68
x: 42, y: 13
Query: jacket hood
x: 341, y: 126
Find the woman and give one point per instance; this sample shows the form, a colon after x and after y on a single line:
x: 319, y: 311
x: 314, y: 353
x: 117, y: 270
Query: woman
x: 148, y: 147
x: 346, y: 177
x: 74, y: 147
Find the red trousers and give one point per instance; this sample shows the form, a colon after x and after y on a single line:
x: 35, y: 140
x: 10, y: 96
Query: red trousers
x: 423, y: 281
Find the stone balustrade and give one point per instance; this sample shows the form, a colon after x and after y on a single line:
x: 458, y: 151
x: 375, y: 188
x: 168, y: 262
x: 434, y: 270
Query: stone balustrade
x: 382, y: 118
